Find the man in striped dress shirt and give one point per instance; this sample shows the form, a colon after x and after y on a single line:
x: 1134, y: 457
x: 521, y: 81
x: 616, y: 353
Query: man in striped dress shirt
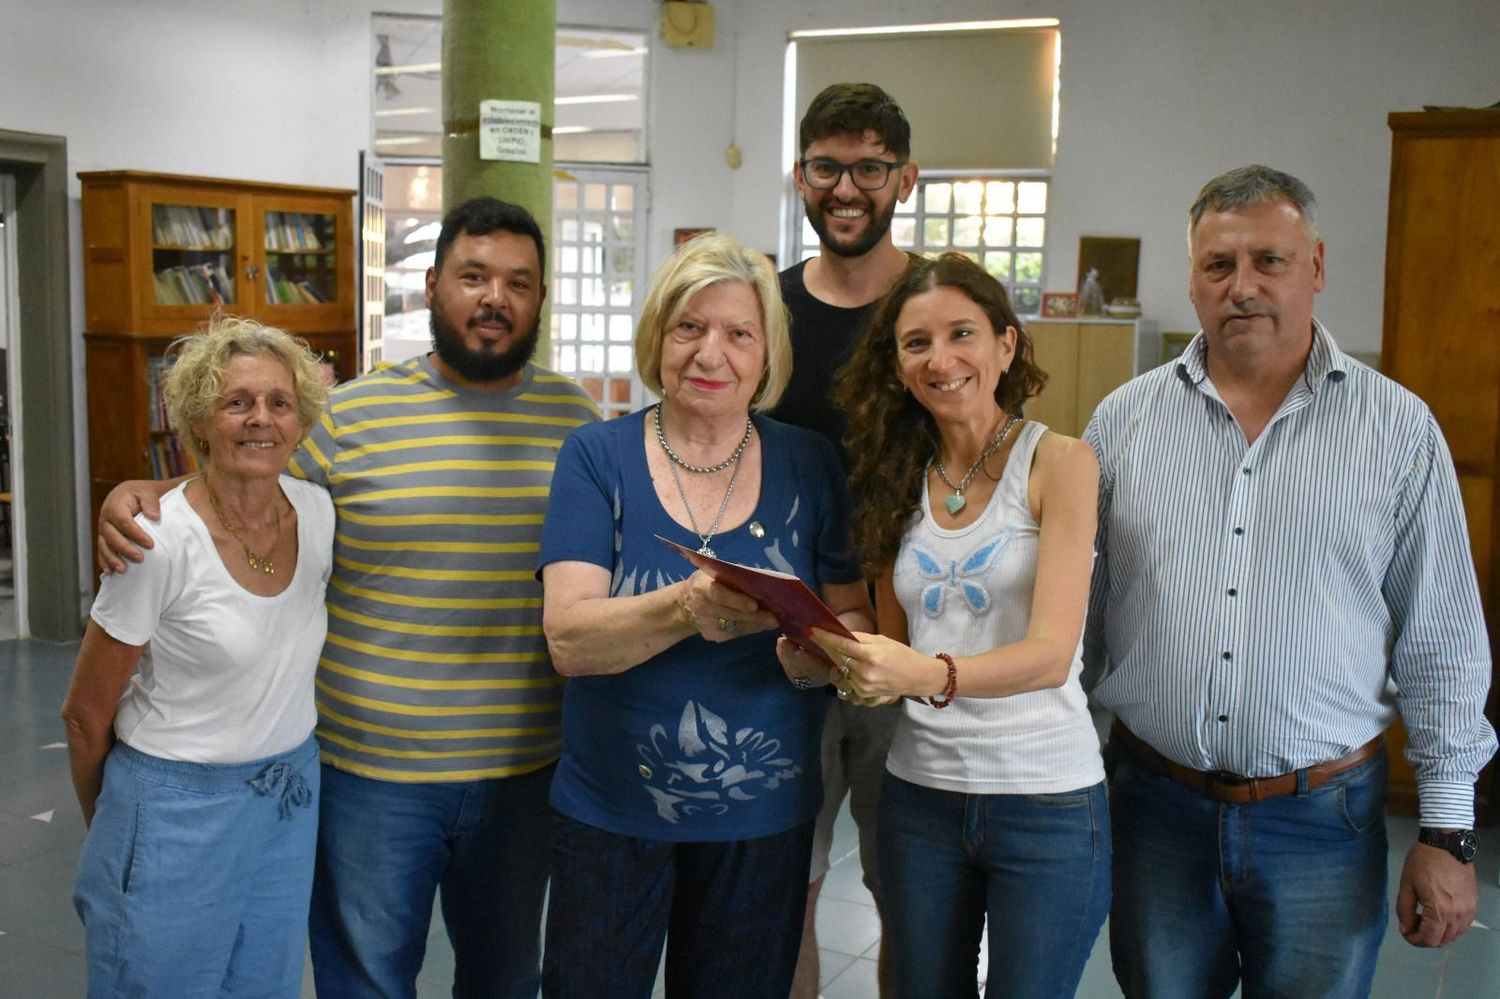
x: 439, y: 713
x: 1283, y: 566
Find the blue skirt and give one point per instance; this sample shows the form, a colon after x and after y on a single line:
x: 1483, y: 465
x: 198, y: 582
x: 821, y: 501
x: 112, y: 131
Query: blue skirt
x: 195, y: 877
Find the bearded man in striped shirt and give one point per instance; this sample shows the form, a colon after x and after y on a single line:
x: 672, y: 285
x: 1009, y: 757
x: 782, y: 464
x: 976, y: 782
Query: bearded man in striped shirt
x: 1283, y: 567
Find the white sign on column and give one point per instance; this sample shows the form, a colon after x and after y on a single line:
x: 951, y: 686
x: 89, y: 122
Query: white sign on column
x: 510, y: 130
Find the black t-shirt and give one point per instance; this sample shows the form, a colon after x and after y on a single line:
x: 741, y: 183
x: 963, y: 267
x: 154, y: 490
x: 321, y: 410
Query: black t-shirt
x: 823, y: 338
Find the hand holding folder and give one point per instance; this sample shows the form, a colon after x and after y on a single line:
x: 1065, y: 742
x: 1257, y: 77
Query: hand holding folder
x: 798, y: 609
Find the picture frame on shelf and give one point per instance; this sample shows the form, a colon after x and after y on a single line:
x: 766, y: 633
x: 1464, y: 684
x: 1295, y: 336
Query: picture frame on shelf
x: 680, y: 236
x: 1173, y: 344
x: 1059, y: 304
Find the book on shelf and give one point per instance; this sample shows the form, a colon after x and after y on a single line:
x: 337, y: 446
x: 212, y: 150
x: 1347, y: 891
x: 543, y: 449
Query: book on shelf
x: 156, y: 367
x: 798, y: 609
x: 191, y: 227
x: 169, y: 458
x: 288, y: 232
x: 193, y: 284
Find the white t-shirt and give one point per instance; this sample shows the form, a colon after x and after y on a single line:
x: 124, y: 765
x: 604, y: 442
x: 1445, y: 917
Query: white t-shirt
x: 228, y: 675
x: 967, y: 591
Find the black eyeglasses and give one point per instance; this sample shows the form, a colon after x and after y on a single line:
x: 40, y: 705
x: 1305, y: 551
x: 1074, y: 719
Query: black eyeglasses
x: 868, y: 175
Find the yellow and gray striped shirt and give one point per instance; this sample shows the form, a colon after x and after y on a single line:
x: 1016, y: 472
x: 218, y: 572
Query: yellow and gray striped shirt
x: 435, y: 667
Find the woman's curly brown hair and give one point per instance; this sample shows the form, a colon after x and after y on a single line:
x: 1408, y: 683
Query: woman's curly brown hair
x: 892, y: 437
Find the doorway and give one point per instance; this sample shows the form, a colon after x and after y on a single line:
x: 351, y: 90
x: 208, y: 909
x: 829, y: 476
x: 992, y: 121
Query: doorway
x: 12, y: 533
x: 43, y: 403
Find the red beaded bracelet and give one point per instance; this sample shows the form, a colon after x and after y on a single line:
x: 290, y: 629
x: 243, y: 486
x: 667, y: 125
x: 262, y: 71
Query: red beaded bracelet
x: 952, y: 690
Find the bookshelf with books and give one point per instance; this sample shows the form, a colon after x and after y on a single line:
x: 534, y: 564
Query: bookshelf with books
x: 162, y: 254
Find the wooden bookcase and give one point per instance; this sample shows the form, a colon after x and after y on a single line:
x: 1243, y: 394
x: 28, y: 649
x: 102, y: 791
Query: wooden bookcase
x: 1442, y: 339
x: 163, y: 253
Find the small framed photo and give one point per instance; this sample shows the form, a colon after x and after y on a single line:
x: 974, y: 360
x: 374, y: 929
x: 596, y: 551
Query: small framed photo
x: 1059, y: 304
x: 1173, y: 344
x: 680, y: 236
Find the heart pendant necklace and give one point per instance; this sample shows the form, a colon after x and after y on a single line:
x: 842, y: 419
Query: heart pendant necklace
x: 955, y: 502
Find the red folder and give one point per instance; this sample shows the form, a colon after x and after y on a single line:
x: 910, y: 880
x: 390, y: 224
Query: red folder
x: 797, y: 608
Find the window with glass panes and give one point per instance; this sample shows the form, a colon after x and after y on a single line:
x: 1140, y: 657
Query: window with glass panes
x: 596, y: 282
x: 998, y: 220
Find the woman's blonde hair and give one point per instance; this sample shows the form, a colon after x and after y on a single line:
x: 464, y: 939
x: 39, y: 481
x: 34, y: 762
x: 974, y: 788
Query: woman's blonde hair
x: 194, y: 382
x: 705, y: 260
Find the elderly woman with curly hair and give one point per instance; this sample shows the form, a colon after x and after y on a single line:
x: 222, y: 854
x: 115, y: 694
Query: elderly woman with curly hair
x: 190, y: 713
x: 684, y: 801
x: 979, y: 525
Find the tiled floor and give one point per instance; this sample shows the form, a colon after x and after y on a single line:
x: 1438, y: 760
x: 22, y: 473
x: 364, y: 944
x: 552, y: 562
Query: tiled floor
x: 40, y: 832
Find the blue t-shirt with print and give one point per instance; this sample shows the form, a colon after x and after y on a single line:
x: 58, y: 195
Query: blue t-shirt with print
x: 705, y: 741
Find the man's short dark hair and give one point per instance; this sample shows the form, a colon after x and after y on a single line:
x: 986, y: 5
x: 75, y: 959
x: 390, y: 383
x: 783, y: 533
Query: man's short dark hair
x: 854, y: 109
x: 484, y: 215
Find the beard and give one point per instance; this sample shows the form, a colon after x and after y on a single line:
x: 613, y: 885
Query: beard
x: 480, y: 365
x: 879, y: 225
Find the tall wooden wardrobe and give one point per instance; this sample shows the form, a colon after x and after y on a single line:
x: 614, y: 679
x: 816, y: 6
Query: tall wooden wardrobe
x: 1442, y: 332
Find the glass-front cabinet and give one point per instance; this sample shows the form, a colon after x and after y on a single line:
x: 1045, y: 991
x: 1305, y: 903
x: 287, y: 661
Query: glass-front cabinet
x: 164, y: 253
x: 300, y: 241
x: 192, y: 254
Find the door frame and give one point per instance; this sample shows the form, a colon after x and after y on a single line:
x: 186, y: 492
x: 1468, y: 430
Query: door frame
x: 43, y: 405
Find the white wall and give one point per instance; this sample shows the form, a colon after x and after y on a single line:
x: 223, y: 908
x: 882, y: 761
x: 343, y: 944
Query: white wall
x: 1157, y: 96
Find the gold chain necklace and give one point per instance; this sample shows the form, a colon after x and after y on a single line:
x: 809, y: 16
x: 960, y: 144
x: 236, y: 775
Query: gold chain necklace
x: 260, y: 563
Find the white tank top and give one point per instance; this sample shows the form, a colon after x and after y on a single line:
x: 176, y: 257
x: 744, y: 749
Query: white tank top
x: 967, y: 591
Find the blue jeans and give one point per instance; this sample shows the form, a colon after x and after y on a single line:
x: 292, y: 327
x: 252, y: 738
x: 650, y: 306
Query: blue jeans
x: 195, y: 876
x: 1287, y: 895
x: 730, y: 912
x: 1037, y: 865
x: 384, y: 849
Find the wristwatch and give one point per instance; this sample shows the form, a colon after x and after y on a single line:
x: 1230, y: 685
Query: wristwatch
x: 1462, y: 843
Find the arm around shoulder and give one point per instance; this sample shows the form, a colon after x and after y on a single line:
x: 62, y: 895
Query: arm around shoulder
x: 120, y: 538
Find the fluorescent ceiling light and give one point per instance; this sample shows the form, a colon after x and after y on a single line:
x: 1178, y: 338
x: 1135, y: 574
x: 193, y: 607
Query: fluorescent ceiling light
x: 639, y: 50
x: 570, y: 130
x: 415, y: 67
x: 597, y: 99
x: 393, y: 112
x: 913, y: 29
x: 404, y: 140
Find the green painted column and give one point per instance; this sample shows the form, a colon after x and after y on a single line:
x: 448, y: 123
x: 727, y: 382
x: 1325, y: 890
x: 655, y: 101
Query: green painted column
x: 499, y: 50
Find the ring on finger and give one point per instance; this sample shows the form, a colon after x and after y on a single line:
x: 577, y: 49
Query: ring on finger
x: 728, y: 626
x: 843, y: 694
x: 844, y: 669
x: 802, y: 683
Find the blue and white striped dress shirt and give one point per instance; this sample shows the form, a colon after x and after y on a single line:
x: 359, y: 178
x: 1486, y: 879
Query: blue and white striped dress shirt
x: 1258, y: 608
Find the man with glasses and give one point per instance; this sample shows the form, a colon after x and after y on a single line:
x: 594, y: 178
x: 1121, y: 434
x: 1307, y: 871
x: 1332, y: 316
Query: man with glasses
x: 854, y: 167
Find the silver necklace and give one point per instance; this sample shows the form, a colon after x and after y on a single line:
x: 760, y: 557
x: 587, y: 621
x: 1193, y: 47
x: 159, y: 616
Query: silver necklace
x: 956, y: 502
x: 734, y: 459
x: 661, y: 436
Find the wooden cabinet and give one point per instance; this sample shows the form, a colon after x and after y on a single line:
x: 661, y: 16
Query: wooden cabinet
x: 1085, y: 360
x: 1442, y: 329
x: 162, y: 253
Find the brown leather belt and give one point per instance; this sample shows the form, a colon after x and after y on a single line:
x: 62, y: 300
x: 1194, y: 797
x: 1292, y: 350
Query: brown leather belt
x: 1235, y: 790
